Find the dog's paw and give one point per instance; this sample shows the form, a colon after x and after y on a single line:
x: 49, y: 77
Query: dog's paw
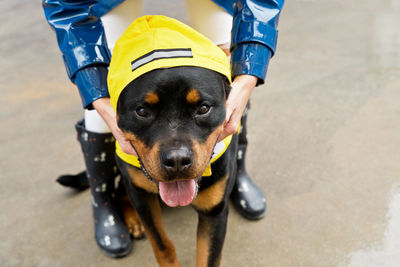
x: 136, y: 229
x: 131, y: 219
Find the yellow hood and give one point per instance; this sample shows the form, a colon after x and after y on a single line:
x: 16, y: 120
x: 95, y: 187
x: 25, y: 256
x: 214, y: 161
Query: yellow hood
x: 154, y: 42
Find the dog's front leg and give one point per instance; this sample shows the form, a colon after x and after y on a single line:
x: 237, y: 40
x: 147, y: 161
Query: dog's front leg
x: 210, y: 238
x: 211, y: 232
x: 211, y: 229
x: 149, y: 211
x: 148, y: 208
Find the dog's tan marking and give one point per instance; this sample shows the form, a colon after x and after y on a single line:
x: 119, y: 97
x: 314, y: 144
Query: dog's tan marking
x: 166, y: 256
x: 148, y: 155
x: 139, y: 179
x: 207, y: 199
x: 151, y: 98
x: 203, y: 245
x: 203, y: 151
x: 193, y: 96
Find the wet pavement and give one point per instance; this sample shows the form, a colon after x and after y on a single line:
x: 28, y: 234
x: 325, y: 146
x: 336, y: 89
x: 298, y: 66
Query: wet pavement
x: 324, y: 134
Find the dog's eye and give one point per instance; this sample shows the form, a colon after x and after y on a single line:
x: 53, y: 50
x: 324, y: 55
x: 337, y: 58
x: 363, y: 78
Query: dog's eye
x: 142, y: 112
x: 204, y: 109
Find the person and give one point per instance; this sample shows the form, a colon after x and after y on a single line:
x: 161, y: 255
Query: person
x: 86, y: 31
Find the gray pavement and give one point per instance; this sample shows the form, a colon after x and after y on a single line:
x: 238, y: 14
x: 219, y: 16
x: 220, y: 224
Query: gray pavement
x: 324, y: 134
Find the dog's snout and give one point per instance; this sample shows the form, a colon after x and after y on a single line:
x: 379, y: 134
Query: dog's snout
x: 177, y: 160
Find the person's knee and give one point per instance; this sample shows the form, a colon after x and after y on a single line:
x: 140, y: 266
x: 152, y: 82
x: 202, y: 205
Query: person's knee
x: 211, y: 20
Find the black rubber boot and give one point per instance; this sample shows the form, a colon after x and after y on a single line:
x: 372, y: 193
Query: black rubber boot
x: 248, y: 199
x: 110, y: 232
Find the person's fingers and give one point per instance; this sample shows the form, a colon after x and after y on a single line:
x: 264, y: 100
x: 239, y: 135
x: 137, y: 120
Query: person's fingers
x: 231, y: 124
x: 229, y: 129
x: 108, y: 114
x: 239, y: 95
x: 127, y: 147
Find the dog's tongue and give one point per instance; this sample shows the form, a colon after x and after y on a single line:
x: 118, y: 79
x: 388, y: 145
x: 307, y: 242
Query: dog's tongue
x: 178, y: 193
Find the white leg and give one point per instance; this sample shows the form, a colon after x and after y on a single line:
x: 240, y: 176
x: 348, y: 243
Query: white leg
x: 117, y: 20
x: 211, y: 20
x: 94, y: 123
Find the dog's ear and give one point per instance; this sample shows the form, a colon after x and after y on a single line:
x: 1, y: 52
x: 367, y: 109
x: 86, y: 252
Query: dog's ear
x: 227, y: 86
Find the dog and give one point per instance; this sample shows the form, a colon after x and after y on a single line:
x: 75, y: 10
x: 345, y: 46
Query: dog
x: 173, y: 115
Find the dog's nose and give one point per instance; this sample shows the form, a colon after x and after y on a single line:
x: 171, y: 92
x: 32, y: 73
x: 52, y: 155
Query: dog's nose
x: 177, y: 160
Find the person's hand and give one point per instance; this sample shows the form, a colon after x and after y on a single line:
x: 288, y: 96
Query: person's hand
x: 242, y: 86
x: 104, y: 108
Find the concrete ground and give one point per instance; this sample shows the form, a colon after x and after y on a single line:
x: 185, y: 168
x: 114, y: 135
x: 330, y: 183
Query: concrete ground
x: 325, y: 142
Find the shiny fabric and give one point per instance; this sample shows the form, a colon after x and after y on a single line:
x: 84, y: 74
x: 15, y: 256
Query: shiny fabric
x: 254, y: 36
x: 81, y: 37
x: 93, y: 80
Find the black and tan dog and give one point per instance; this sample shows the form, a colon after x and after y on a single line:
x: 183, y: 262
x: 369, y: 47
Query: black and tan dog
x: 173, y: 116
